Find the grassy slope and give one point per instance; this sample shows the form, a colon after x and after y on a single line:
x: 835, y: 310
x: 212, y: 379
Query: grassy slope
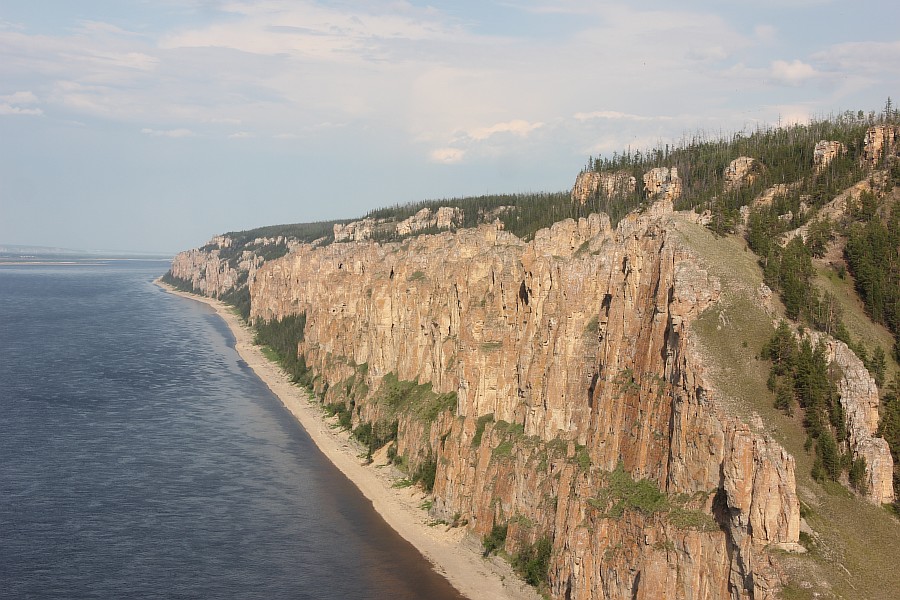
x: 858, y: 323
x: 855, y: 555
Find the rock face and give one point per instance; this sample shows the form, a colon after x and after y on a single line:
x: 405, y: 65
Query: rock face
x: 586, y: 185
x: 662, y: 183
x: 590, y: 183
x: 357, y: 231
x: 879, y: 142
x: 740, y: 172
x: 572, y: 358
x: 213, y: 274
x: 860, y: 401
x: 825, y: 152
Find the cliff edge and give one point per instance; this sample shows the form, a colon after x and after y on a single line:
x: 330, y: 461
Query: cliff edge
x: 577, y: 390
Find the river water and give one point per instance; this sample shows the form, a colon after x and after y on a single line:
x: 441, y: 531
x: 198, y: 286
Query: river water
x: 140, y: 457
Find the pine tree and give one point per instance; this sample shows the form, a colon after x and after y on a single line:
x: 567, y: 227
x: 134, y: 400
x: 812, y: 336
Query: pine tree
x: 828, y: 452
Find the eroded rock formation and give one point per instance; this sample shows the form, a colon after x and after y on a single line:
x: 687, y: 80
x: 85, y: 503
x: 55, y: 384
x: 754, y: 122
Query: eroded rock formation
x: 662, y: 183
x: 445, y: 217
x: 572, y: 359
x: 590, y: 183
x: 880, y: 141
x: 860, y: 401
x: 826, y: 151
x: 739, y: 172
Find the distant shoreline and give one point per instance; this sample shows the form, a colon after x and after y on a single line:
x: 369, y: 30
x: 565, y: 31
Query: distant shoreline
x: 453, y: 553
x: 95, y: 261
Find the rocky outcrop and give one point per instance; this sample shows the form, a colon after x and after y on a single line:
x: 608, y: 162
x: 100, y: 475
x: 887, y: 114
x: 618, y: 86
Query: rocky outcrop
x: 572, y: 359
x: 589, y: 184
x: 357, y: 231
x: 586, y: 186
x: 740, y: 172
x: 826, y: 151
x: 220, y: 266
x: 860, y: 401
x: 445, y: 217
x: 880, y: 141
x: 662, y: 183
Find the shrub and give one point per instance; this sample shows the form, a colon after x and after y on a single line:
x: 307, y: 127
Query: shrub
x: 858, y: 476
x: 496, y: 539
x: 533, y: 561
x: 426, y: 473
x: 482, y: 422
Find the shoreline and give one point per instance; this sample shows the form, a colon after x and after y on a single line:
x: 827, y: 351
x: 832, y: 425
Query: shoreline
x: 452, y: 552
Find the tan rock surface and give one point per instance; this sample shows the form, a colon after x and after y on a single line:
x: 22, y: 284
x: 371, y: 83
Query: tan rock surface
x: 662, y: 183
x: 739, y: 172
x: 826, y: 151
x: 590, y: 183
x: 581, y: 339
x: 880, y: 140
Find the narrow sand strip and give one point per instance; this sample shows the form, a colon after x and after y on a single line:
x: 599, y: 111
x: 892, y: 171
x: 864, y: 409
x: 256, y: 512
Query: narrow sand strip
x: 454, y: 554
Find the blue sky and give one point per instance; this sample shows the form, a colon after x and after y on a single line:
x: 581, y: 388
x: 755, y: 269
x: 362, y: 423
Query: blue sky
x: 151, y: 125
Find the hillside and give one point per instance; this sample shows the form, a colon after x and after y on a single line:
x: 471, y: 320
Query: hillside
x: 597, y: 382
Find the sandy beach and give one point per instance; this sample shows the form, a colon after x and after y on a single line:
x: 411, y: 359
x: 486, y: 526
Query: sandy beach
x: 454, y: 553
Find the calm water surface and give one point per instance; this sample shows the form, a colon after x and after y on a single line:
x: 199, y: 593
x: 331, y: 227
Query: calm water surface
x: 140, y: 457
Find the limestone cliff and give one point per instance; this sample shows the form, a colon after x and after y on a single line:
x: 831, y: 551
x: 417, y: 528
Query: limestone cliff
x: 222, y: 266
x: 589, y: 183
x: 445, y: 217
x: 574, y: 365
x: 826, y: 151
x: 662, y: 183
x: 879, y: 143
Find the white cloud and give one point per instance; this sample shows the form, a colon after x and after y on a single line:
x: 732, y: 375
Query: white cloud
x: 8, y: 109
x: 447, y: 155
x: 793, y: 114
x: 241, y: 135
x: 172, y: 133
x: 765, y: 33
x: 706, y: 54
x: 10, y: 26
x: 12, y: 104
x: 615, y: 115
x: 20, y: 98
x: 862, y: 57
x: 793, y: 73
x: 517, y: 127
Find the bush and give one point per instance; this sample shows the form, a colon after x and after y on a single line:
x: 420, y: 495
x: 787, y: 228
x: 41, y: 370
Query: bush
x: 496, y: 539
x: 533, y: 561
x: 858, y: 476
x: 345, y: 418
x: 482, y: 422
x: 426, y: 473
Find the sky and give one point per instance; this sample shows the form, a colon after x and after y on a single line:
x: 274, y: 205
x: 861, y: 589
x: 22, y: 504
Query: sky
x: 152, y: 125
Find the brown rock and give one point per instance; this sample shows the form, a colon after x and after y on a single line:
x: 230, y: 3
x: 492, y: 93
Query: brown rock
x: 740, y: 172
x: 880, y: 140
x: 662, y: 183
x: 579, y: 344
x: 825, y: 152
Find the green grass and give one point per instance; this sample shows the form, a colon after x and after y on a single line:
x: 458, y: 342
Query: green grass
x: 859, y: 325
x: 480, y: 424
x: 851, y: 534
x: 411, y: 398
x: 270, y: 354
